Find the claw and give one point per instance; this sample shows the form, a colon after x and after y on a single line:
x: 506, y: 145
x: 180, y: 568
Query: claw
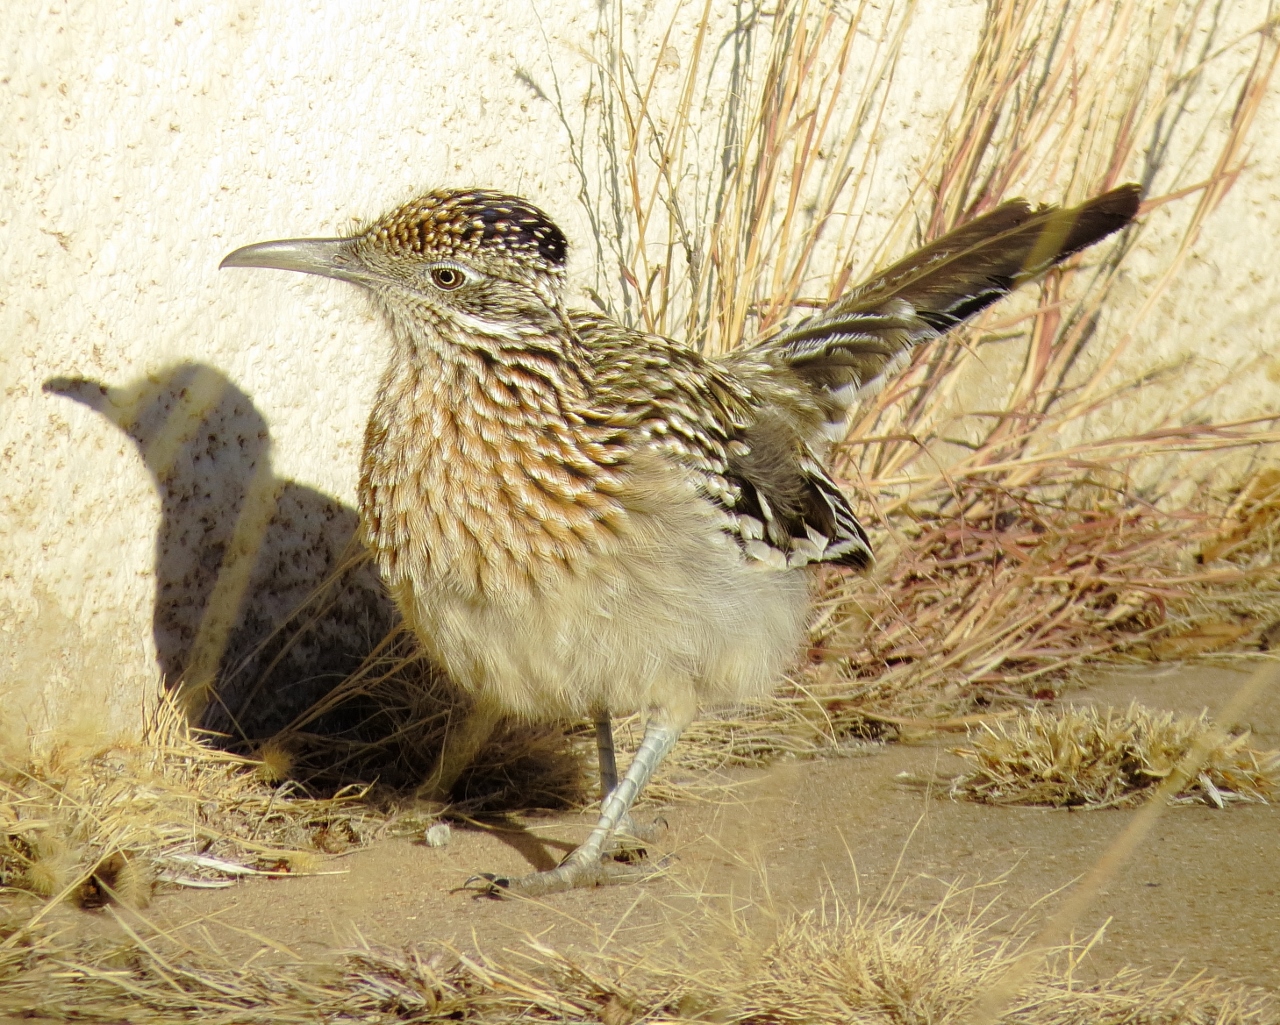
x: 491, y: 884
x: 629, y: 829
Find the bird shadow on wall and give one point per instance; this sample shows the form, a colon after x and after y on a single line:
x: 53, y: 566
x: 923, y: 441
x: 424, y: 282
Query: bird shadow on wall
x: 273, y: 630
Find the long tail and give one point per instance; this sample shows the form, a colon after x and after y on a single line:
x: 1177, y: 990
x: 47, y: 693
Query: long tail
x: 855, y: 339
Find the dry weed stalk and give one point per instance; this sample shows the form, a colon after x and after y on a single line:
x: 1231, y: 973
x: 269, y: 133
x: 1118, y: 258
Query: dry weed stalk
x: 1095, y: 758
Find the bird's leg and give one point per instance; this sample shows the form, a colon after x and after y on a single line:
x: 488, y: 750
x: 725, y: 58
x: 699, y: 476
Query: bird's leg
x: 626, y: 826
x: 608, y: 761
x: 585, y: 866
x: 458, y: 751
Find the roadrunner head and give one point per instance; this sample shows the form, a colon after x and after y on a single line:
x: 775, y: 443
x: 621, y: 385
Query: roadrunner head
x: 471, y: 263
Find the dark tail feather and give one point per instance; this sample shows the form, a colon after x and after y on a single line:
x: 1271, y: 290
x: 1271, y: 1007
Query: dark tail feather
x: 938, y: 287
x: 971, y: 267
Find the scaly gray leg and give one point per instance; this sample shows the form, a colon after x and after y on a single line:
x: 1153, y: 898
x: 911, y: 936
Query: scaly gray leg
x: 586, y: 865
x: 608, y: 760
x: 627, y: 829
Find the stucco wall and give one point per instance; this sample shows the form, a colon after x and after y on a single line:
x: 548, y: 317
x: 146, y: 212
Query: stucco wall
x: 144, y: 139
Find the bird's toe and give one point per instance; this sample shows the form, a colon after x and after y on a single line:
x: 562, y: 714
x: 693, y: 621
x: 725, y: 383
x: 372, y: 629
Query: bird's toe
x: 631, y: 841
x: 572, y: 875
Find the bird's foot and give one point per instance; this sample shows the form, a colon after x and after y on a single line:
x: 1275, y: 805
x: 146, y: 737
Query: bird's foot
x: 623, y: 862
x: 568, y: 876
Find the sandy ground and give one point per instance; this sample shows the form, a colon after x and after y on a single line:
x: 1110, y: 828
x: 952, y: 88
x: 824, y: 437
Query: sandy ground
x: 1202, y: 893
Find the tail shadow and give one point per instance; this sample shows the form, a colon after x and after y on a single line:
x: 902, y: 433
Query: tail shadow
x: 271, y: 624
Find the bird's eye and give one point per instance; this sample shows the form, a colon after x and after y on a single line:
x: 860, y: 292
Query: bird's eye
x: 447, y: 278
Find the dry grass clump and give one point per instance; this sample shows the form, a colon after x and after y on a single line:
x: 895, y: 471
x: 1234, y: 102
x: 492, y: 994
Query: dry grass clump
x: 999, y: 589
x: 1102, y: 758
x: 879, y: 966
x: 107, y: 825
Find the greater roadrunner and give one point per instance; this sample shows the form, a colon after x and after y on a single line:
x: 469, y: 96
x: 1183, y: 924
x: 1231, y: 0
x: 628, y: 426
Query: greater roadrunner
x: 579, y: 519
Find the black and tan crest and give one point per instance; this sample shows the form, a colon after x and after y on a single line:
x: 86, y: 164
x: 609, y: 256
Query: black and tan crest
x: 449, y: 221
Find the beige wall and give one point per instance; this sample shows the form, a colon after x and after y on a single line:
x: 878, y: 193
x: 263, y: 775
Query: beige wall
x: 144, y: 140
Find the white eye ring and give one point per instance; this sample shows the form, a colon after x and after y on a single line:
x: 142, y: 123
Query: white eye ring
x: 448, y: 276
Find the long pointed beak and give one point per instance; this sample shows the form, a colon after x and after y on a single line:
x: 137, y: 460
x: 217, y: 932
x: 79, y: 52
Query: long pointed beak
x: 328, y: 257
